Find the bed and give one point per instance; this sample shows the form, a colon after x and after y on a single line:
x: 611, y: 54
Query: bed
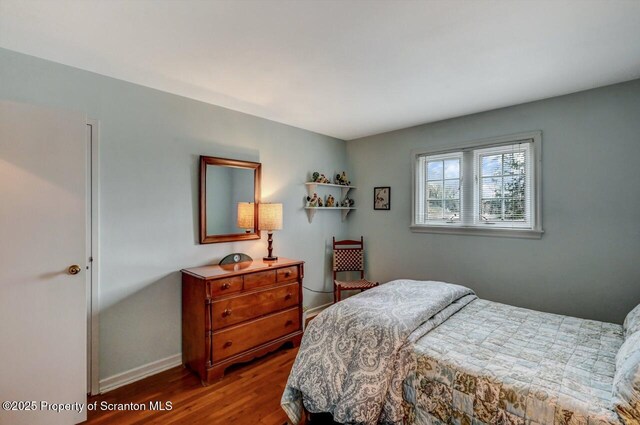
x: 494, y: 363
x: 418, y: 353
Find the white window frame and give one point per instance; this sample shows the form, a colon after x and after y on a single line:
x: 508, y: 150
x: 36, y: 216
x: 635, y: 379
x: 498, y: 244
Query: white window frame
x: 469, y: 185
x: 421, y: 181
x: 478, y: 153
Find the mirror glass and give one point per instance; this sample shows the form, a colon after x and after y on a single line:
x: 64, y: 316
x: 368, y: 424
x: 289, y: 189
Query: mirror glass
x: 229, y: 191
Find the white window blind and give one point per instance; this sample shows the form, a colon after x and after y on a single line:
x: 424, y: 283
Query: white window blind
x: 491, y: 186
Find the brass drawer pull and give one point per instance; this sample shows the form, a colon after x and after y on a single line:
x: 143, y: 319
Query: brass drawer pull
x: 226, y: 313
x: 288, y: 296
x: 225, y: 285
x: 287, y: 273
x: 289, y: 322
x: 227, y: 344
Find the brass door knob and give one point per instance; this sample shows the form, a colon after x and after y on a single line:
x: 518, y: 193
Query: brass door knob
x: 75, y: 269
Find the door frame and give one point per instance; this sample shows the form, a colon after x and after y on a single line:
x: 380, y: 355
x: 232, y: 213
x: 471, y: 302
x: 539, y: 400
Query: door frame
x: 93, y: 257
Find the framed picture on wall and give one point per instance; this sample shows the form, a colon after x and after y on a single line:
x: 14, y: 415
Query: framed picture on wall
x: 382, y: 198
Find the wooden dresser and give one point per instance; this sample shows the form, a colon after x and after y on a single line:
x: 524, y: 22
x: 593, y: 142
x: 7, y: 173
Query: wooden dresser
x: 232, y: 314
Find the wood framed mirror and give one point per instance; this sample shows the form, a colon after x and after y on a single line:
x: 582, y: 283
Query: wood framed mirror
x: 229, y: 197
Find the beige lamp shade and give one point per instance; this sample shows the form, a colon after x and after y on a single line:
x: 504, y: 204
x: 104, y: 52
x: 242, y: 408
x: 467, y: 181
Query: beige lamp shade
x: 246, y: 215
x: 270, y: 216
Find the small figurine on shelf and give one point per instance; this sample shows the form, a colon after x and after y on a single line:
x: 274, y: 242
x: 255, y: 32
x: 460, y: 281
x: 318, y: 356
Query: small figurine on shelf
x: 331, y: 201
x: 312, y: 201
x: 342, y: 180
x: 320, y: 204
x: 319, y: 178
x: 347, y: 202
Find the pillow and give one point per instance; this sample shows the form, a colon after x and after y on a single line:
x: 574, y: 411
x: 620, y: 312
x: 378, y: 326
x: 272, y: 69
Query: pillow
x: 632, y: 322
x: 626, y: 381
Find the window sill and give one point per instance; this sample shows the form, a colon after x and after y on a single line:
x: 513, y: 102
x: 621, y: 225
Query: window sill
x: 479, y: 231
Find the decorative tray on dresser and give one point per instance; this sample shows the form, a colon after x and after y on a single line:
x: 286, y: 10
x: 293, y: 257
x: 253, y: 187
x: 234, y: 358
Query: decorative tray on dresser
x: 236, y: 312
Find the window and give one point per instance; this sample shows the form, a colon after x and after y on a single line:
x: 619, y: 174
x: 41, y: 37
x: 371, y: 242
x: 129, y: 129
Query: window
x: 488, y: 187
x: 442, y: 188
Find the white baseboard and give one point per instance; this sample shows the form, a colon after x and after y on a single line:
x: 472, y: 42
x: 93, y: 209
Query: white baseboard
x: 137, y: 373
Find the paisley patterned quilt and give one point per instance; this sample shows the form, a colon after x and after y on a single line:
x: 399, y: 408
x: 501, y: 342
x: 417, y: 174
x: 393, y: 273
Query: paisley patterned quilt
x: 496, y: 364
x: 355, y: 354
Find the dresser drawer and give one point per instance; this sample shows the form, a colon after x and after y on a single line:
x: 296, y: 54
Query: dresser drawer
x: 287, y: 273
x: 256, y: 280
x: 225, y: 286
x: 245, y: 307
x: 239, y: 338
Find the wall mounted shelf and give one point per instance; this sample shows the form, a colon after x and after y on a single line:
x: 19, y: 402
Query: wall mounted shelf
x: 313, y: 186
x: 311, y: 211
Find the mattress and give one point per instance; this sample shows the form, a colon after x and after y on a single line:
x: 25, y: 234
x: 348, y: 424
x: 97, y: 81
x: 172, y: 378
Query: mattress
x: 492, y: 363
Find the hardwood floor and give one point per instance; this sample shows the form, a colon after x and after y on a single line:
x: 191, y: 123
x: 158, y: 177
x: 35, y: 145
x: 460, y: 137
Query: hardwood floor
x: 249, y: 394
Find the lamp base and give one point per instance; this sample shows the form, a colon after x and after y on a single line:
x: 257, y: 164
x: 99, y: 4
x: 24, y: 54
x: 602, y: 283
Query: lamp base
x: 270, y: 256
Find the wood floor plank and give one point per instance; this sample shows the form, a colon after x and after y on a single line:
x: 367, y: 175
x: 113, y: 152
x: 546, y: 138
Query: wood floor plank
x: 249, y: 394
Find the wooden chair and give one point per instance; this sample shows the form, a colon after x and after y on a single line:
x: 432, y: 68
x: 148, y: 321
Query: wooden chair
x: 348, y: 256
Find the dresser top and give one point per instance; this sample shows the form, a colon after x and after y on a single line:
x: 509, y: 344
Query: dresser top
x: 215, y: 271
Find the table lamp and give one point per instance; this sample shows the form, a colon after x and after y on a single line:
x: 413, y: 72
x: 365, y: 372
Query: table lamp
x: 246, y: 216
x: 270, y: 219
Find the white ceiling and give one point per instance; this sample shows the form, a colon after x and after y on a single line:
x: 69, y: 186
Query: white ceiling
x: 346, y: 68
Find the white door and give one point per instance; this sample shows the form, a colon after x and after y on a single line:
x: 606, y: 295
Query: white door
x: 43, y: 215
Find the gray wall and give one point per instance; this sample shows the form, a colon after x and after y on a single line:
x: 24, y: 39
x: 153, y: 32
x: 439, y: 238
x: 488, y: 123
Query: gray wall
x: 150, y: 144
x: 587, y: 264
